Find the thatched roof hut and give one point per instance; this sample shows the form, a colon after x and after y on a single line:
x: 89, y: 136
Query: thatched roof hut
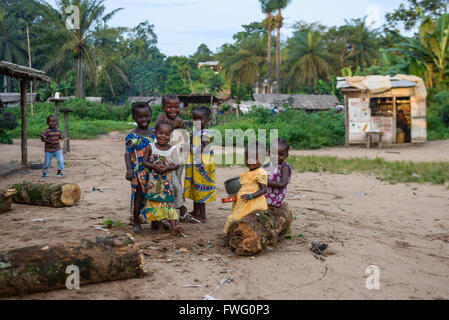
x: 308, y: 102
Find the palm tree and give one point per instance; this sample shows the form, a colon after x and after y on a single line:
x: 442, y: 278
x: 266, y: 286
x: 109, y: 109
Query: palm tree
x: 93, y: 41
x: 244, y: 61
x: 268, y: 23
x: 12, y: 40
x: 307, y: 61
x: 279, y: 5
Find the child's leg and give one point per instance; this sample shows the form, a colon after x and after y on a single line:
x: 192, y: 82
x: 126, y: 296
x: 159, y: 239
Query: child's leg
x: 160, y: 226
x: 47, y: 162
x: 137, y: 207
x: 60, y: 157
x: 196, y: 210
x: 202, y: 209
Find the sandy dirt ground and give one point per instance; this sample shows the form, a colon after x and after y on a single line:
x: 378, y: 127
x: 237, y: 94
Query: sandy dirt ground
x: 402, y: 229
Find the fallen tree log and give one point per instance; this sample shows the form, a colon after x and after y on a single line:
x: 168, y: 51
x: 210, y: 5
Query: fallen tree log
x: 48, y: 195
x: 43, y: 268
x: 260, y: 229
x: 5, y: 200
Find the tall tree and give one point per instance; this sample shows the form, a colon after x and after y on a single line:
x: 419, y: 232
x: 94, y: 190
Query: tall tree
x: 268, y: 23
x: 279, y: 5
x: 307, y: 61
x: 90, y: 43
x: 203, y: 53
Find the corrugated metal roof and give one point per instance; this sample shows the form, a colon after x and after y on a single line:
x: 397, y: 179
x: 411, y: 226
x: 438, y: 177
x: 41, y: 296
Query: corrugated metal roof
x: 298, y: 101
x: 395, y: 83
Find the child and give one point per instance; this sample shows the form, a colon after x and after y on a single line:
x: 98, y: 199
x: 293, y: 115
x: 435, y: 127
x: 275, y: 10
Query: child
x: 162, y: 160
x: 136, y: 142
x: 279, y: 173
x: 171, y: 108
x: 51, y: 136
x: 200, y: 183
x: 254, y: 186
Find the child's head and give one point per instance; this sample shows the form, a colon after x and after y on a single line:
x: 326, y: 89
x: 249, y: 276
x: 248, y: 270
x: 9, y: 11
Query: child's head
x: 279, y: 151
x: 170, y: 105
x: 163, y: 132
x: 255, y: 154
x: 201, y: 114
x: 51, y: 122
x: 141, y: 113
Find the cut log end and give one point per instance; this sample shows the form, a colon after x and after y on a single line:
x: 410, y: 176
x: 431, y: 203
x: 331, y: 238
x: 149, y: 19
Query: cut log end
x: 244, y: 240
x: 71, y: 193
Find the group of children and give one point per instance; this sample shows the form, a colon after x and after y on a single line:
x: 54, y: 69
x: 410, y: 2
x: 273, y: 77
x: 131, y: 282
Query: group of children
x: 155, y: 164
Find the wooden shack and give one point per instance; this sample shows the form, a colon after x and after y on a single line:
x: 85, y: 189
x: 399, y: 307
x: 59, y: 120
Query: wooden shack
x: 383, y: 109
x: 25, y: 75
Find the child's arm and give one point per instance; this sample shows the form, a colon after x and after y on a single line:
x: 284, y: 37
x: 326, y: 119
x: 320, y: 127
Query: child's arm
x: 179, y: 123
x: 44, y: 136
x: 255, y: 195
x: 285, y: 173
x: 129, y: 171
x: 146, y: 161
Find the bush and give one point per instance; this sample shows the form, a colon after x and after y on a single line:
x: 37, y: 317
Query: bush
x: 301, y: 129
x: 7, y: 122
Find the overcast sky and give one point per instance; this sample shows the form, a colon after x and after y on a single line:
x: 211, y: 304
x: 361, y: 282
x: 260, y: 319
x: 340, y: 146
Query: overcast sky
x: 182, y: 25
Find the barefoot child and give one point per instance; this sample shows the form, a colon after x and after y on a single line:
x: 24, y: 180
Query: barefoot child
x: 162, y: 160
x: 136, y: 142
x: 171, y: 108
x: 51, y: 136
x: 200, y: 183
x: 254, y: 186
x: 279, y: 173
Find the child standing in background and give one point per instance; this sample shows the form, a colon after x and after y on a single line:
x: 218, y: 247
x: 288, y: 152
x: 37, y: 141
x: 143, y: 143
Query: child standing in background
x: 162, y: 160
x: 179, y: 138
x: 52, y: 136
x: 279, y: 173
x: 136, y: 142
x: 254, y: 185
x: 200, y: 185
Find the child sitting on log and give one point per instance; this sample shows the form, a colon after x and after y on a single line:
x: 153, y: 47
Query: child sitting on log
x: 161, y: 159
x: 179, y: 138
x: 254, y: 185
x: 52, y: 136
x: 136, y: 142
x: 279, y: 173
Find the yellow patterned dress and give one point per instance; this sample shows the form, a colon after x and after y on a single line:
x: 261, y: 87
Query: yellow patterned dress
x: 199, y: 184
x: 160, y: 194
x: 250, y: 184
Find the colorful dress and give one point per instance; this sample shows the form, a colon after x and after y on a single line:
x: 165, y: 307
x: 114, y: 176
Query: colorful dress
x: 275, y: 196
x: 160, y: 193
x: 250, y: 184
x: 199, y: 184
x: 136, y: 151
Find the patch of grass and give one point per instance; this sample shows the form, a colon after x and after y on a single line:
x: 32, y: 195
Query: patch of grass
x: 391, y: 171
x: 110, y: 224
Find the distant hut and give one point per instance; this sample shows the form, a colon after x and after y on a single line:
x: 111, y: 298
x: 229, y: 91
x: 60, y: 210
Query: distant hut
x: 12, y: 99
x: 150, y: 100
x: 308, y: 102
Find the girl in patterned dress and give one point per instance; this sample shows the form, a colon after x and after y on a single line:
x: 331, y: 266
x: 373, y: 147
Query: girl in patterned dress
x: 136, y: 142
x: 279, y: 174
x: 161, y: 159
x: 200, y: 185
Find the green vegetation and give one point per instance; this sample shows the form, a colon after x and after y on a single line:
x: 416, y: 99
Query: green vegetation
x: 391, y: 171
x: 110, y: 223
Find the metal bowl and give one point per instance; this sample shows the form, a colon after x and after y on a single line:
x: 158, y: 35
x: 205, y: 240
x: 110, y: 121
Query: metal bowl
x: 233, y: 185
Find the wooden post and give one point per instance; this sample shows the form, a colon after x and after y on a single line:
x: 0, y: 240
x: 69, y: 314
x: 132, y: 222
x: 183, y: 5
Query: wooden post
x: 56, y: 113
x: 24, y: 107
x: 346, y: 121
x: 66, y: 130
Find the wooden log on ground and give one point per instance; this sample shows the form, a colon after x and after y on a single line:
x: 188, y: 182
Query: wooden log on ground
x: 258, y: 230
x: 48, y: 195
x: 5, y: 200
x: 43, y: 268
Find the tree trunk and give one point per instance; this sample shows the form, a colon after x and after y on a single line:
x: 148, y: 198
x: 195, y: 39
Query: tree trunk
x: 79, y: 76
x: 43, y: 268
x: 5, y: 200
x: 48, y: 195
x: 258, y: 230
x: 278, y: 52
x: 269, y: 60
